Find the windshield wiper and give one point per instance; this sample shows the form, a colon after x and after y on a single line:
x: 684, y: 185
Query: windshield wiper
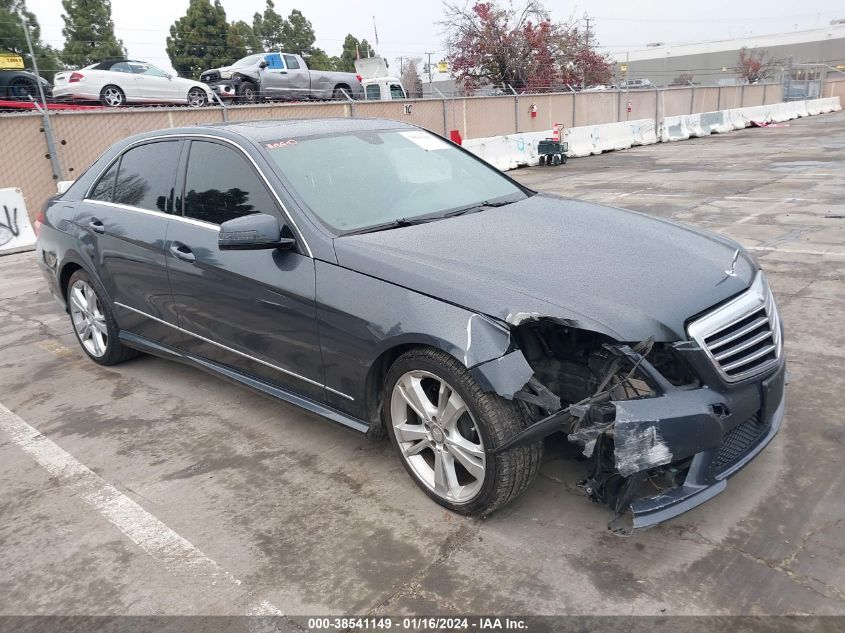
x: 393, y: 224
x: 473, y: 208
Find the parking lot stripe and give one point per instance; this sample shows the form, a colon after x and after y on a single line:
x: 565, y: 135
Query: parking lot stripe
x: 173, y: 551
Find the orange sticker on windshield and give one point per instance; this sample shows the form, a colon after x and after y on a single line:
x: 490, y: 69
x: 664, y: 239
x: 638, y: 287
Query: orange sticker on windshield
x: 279, y: 144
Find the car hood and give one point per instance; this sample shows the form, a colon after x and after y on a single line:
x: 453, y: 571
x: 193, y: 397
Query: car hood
x: 609, y: 270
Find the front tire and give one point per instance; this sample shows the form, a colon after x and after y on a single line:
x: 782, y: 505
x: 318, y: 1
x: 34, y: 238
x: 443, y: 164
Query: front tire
x: 112, y: 96
x: 247, y: 92
x: 444, y: 425
x: 93, y: 321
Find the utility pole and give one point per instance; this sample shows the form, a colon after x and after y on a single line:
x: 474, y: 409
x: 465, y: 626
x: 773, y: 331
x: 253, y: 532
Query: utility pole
x: 375, y: 30
x: 429, y: 66
x: 401, y: 65
x: 48, y: 131
x: 586, y: 49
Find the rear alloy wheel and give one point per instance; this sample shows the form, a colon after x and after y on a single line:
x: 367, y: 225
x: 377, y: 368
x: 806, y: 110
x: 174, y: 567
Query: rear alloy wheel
x: 93, y: 322
x: 21, y: 89
x: 444, y: 427
x: 340, y: 94
x: 197, y: 98
x: 112, y: 96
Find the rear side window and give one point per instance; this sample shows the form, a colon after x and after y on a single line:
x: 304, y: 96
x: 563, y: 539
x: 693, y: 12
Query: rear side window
x: 104, y: 188
x: 292, y: 62
x: 221, y: 185
x: 145, y: 176
x: 374, y: 92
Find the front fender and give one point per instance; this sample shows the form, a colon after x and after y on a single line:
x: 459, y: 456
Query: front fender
x: 361, y: 318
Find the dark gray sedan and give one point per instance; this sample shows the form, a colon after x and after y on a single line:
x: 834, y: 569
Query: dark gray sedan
x: 378, y: 275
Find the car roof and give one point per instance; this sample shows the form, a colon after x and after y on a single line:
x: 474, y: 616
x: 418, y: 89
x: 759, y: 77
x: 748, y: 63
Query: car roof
x: 275, y: 129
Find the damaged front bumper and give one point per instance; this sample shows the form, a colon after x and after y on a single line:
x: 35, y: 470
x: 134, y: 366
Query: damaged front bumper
x: 655, y: 457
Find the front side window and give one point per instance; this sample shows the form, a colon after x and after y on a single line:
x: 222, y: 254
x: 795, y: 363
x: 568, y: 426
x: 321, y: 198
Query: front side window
x: 396, y: 92
x: 221, y: 185
x: 145, y: 176
x: 292, y: 62
x: 274, y: 61
x: 373, y: 92
x: 386, y: 176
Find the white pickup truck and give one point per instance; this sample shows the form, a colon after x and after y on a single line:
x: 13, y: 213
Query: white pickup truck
x: 277, y: 75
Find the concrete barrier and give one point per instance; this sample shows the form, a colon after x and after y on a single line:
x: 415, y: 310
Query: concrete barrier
x: 678, y: 128
x: 518, y: 150
x: 16, y: 232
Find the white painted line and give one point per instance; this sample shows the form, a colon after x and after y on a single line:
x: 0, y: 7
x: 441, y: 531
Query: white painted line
x: 174, y: 552
x: 795, y: 251
x: 763, y: 199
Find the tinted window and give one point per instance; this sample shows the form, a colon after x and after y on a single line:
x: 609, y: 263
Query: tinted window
x: 121, y: 67
x: 105, y: 185
x: 221, y: 185
x: 373, y: 92
x: 396, y: 92
x: 292, y: 62
x: 145, y: 176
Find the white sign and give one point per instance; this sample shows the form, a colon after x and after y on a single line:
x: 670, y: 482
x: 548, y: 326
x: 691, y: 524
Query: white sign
x: 16, y: 232
x: 425, y: 140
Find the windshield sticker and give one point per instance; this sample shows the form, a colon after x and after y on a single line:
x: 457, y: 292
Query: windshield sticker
x: 279, y: 144
x: 425, y: 140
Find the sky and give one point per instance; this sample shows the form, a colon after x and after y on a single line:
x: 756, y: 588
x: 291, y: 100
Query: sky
x: 411, y: 29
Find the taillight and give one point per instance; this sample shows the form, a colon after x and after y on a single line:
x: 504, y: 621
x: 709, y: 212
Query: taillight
x: 74, y: 77
x: 39, y: 220
x: 359, y: 78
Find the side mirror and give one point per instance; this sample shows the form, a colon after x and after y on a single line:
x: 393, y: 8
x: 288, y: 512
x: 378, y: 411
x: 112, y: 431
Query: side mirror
x: 262, y: 64
x: 253, y: 232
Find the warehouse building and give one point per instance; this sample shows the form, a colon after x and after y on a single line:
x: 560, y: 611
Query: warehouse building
x: 799, y: 55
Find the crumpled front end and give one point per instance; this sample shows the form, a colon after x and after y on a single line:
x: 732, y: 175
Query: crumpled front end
x: 663, y: 425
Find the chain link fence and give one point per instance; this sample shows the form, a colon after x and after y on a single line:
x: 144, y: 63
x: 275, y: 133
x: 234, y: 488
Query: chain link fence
x: 81, y: 136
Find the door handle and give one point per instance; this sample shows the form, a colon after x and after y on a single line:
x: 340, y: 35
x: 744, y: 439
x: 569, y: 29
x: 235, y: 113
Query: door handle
x: 180, y: 251
x: 283, y: 72
x: 96, y: 225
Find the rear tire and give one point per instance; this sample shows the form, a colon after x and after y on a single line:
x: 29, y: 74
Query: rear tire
x: 93, y: 321
x: 459, y: 425
x: 197, y: 98
x: 21, y: 89
x: 112, y: 96
x: 340, y: 94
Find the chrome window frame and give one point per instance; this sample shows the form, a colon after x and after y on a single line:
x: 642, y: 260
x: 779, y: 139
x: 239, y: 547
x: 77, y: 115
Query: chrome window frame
x: 174, y: 216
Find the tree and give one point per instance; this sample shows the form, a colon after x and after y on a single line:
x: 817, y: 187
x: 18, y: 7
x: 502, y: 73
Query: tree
x: 13, y: 39
x: 754, y: 66
x: 241, y: 41
x: 89, y: 32
x: 297, y: 33
x: 411, y: 77
x: 519, y: 48
x: 268, y: 27
x: 353, y: 48
x: 200, y: 39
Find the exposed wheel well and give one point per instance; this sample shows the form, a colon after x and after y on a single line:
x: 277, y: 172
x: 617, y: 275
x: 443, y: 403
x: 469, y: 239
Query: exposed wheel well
x: 375, y: 381
x: 64, y: 277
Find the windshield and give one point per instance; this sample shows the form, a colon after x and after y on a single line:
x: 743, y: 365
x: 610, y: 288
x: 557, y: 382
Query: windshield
x: 369, y: 178
x: 249, y: 60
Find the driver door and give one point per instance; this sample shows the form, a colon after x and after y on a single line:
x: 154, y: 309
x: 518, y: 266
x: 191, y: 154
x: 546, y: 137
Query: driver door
x: 274, y: 77
x: 251, y: 310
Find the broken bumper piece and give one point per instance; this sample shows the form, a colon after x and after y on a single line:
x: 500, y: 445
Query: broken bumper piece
x: 653, y: 458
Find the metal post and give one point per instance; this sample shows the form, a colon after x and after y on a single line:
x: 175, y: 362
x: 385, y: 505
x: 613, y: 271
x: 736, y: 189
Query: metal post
x: 222, y: 105
x: 48, y: 130
x: 574, y: 96
x: 516, y: 114
x: 742, y: 96
x: 445, y: 120
x: 692, y: 100
x: 718, y: 97
x: 764, y: 92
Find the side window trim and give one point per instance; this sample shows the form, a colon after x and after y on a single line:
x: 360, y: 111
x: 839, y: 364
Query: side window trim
x: 286, y: 215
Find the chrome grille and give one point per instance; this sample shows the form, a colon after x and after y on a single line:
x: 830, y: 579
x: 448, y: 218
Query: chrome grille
x: 741, y: 337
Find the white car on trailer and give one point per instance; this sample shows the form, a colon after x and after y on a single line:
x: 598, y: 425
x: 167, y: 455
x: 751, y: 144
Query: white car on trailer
x: 379, y: 84
x: 116, y: 82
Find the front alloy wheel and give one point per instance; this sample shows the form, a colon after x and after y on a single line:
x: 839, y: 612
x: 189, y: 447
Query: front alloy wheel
x: 112, y: 96
x: 446, y: 427
x: 437, y: 436
x: 197, y: 98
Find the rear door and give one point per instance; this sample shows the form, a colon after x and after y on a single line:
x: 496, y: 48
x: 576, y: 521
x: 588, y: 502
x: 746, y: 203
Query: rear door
x: 299, y: 78
x: 126, y: 216
x: 254, y: 311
